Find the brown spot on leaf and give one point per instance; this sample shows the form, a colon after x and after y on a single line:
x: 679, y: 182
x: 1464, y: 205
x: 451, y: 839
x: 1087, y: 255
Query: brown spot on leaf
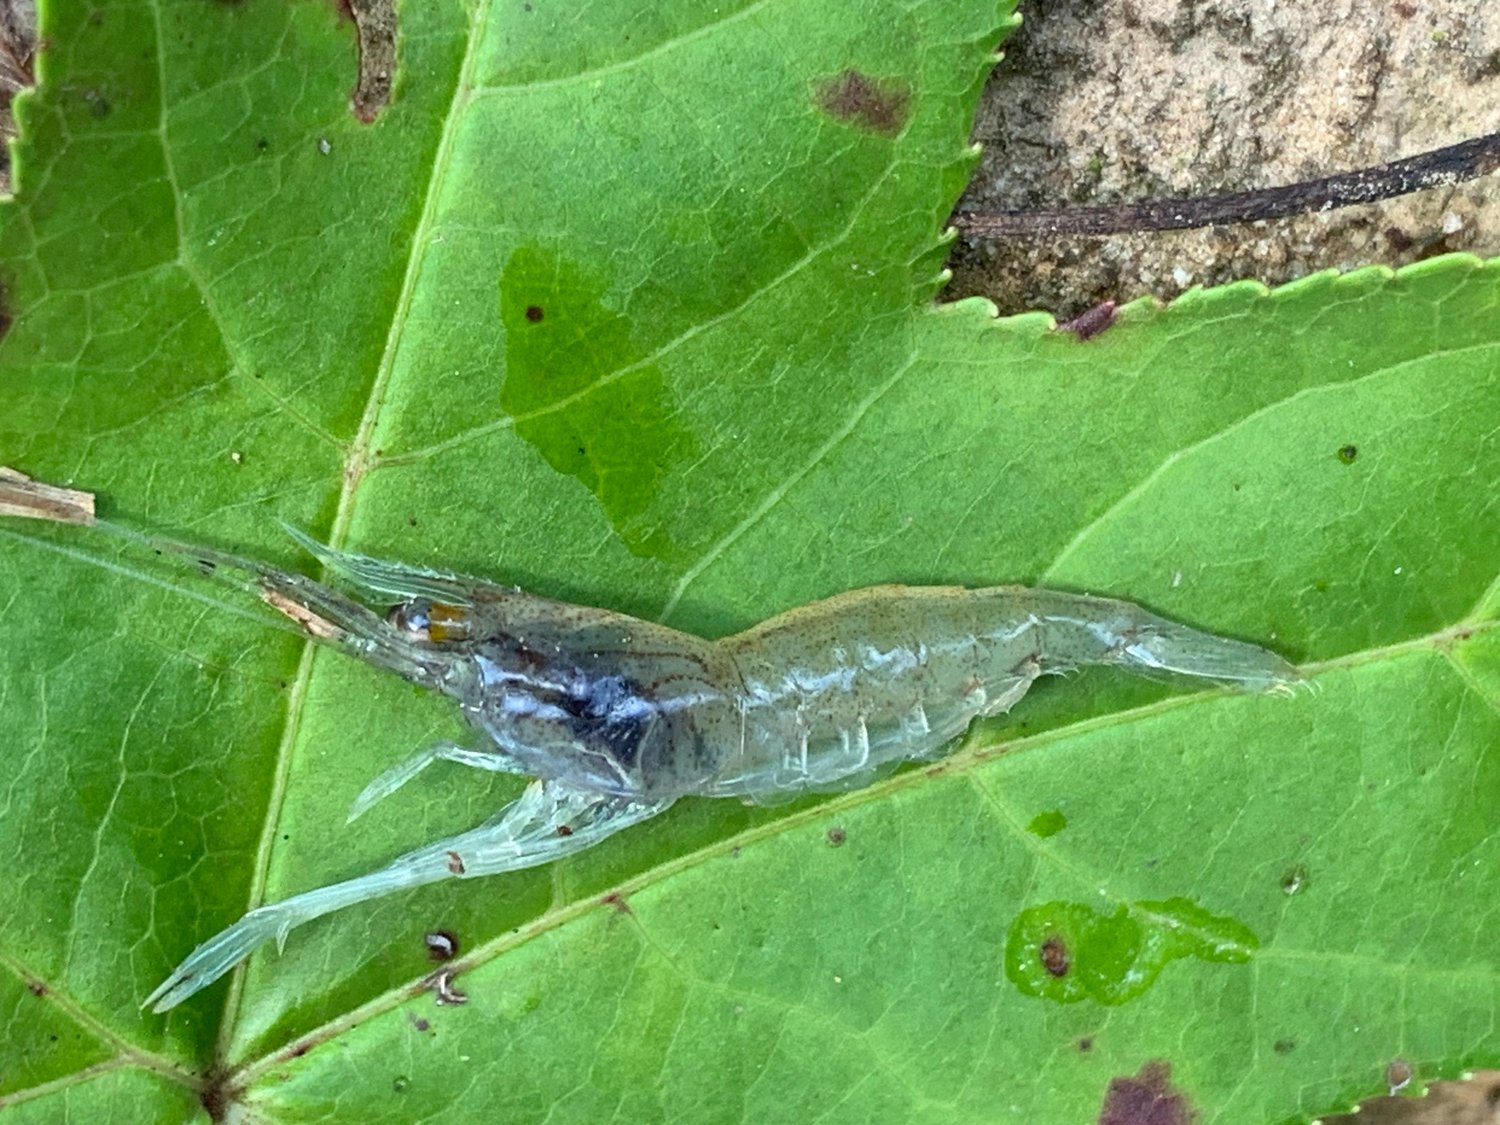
x: 375, y: 21
x: 836, y: 836
x: 455, y: 863
x: 1398, y: 1075
x: 36, y: 988
x: 1090, y: 322
x: 564, y: 830
x: 1146, y: 1099
x: 617, y: 900
x: 1086, y: 1044
x: 877, y: 105
x: 1054, y: 955
x: 534, y: 313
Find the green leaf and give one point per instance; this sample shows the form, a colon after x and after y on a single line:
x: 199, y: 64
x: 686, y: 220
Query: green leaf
x: 633, y: 307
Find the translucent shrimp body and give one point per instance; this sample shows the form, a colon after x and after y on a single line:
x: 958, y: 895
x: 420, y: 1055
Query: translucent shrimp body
x: 616, y: 717
x: 838, y: 690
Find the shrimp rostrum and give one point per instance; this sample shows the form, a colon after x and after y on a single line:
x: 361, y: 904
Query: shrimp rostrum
x: 615, y: 718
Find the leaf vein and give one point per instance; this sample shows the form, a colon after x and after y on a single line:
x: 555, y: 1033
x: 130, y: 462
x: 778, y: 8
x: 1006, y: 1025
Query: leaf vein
x: 623, y: 65
x: 774, y: 497
x: 1140, y: 489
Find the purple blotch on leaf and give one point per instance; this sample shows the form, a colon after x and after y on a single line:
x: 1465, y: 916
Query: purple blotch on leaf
x: 1145, y: 1099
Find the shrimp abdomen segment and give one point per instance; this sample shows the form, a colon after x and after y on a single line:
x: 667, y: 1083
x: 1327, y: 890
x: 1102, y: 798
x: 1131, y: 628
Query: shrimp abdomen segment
x: 837, y: 690
x: 840, y: 688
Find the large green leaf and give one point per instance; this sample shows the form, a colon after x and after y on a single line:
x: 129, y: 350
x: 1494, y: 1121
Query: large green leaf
x: 631, y: 304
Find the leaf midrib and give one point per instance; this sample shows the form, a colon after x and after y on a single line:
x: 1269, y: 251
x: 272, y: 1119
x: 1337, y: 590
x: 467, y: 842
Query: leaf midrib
x: 356, y: 464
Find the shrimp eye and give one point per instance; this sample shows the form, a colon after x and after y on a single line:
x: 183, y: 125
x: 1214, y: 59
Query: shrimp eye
x: 413, y: 617
x: 425, y: 620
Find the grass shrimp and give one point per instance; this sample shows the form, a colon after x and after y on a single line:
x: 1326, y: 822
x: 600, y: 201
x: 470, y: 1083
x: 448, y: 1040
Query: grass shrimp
x: 615, y: 718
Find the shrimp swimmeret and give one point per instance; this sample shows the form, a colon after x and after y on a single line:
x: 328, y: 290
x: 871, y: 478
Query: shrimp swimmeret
x: 615, y: 718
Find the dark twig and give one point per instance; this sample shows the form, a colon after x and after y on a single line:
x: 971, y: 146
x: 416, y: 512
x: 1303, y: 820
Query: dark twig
x: 1454, y: 164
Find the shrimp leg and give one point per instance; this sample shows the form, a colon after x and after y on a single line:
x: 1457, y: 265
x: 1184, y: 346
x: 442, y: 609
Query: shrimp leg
x: 497, y: 761
x: 549, y: 820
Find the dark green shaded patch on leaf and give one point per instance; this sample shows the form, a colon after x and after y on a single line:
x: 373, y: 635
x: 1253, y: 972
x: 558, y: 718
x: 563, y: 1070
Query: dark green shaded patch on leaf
x: 1047, y: 823
x: 582, y: 393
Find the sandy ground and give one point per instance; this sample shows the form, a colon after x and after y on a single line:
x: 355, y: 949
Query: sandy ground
x: 1150, y: 99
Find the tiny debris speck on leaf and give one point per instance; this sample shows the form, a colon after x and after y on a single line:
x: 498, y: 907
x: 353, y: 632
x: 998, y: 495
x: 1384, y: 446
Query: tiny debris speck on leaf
x: 443, y: 990
x: 442, y: 945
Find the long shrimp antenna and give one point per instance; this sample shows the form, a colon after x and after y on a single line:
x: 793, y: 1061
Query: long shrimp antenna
x: 281, y: 589
x: 379, y: 577
x: 324, y: 614
x: 277, y: 621
x: 224, y: 567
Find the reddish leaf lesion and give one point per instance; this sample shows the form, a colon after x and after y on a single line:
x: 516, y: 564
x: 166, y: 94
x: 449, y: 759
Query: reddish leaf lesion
x: 877, y: 105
